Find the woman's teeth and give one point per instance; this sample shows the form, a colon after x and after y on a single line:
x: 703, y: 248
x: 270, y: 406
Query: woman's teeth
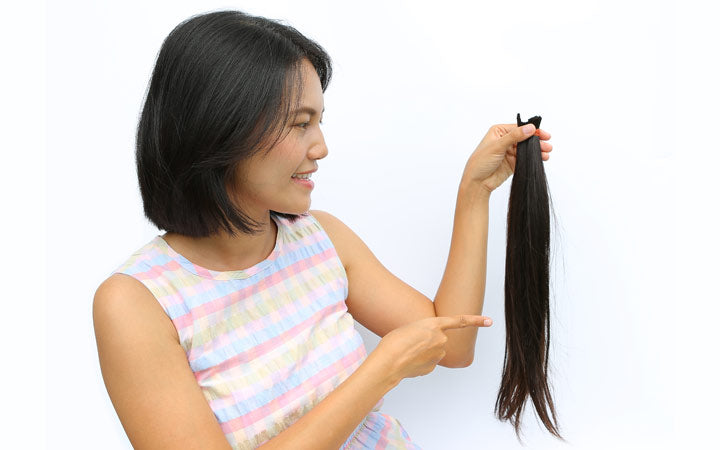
x: 304, y: 176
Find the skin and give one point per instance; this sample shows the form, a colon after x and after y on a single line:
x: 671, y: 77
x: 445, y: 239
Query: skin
x: 267, y: 185
x: 146, y: 370
x: 493, y: 161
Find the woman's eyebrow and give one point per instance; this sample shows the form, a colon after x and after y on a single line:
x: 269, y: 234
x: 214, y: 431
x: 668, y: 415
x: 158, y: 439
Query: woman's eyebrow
x: 306, y: 109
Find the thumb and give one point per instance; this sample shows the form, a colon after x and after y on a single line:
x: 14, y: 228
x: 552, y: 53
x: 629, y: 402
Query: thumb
x: 519, y: 134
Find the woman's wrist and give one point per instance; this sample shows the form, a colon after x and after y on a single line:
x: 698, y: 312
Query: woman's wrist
x: 473, y: 191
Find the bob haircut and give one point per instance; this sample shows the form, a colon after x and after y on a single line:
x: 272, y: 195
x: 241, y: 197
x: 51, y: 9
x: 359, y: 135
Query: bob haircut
x: 222, y: 90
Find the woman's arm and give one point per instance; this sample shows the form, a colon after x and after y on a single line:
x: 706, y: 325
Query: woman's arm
x: 328, y: 425
x: 382, y: 302
x: 159, y: 402
x: 146, y: 372
x: 462, y: 288
x: 378, y: 299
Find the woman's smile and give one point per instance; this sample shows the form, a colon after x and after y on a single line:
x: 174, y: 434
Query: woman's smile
x: 304, y: 182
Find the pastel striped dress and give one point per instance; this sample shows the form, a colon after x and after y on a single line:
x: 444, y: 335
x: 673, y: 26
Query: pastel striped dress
x: 268, y: 343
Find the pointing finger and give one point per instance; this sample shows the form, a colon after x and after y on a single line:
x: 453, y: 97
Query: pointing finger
x: 464, y: 320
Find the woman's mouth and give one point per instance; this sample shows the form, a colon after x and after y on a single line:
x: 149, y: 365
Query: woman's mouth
x: 304, y: 180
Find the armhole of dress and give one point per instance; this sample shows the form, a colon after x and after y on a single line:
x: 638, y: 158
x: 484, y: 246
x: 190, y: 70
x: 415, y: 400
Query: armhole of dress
x: 334, y: 249
x: 180, y: 338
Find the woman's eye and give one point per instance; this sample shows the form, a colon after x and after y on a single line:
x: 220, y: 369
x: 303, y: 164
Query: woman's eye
x: 305, y: 124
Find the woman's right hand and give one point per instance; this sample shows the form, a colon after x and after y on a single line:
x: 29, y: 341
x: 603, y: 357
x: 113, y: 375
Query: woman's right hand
x: 416, y: 348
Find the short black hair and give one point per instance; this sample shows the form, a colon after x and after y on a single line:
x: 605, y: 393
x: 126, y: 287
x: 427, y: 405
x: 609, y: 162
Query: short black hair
x: 224, y: 82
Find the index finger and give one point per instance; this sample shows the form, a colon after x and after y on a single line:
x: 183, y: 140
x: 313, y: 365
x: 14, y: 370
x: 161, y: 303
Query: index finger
x: 462, y: 321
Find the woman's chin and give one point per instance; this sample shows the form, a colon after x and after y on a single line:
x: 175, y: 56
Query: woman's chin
x: 295, y: 210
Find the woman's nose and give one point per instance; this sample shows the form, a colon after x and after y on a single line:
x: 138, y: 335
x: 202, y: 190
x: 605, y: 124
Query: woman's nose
x: 319, y: 150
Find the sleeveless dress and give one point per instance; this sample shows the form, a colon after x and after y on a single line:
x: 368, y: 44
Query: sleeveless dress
x: 268, y: 343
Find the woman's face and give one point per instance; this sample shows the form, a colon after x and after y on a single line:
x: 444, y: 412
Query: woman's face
x: 267, y: 182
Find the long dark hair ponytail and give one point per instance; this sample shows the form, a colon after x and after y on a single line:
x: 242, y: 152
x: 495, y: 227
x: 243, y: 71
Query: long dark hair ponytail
x: 527, y: 306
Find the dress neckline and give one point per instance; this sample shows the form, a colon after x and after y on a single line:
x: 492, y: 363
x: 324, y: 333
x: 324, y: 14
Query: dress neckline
x: 231, y: 274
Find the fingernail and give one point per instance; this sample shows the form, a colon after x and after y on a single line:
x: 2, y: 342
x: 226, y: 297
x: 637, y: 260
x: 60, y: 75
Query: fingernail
x: 528, y: 129
x: 487, y: 322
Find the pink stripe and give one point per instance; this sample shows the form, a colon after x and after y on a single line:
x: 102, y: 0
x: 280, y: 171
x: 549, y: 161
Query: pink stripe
x: 248, y: 392
x: 182, y: 322
x: 276, y: 316
x: 383, y: 441
x: 156, y: 273
x: 306, y: 241
x: 270, y: 344
x: 221, y: 303
x: 277, y: 403
x: 157, y: 270
x: 253, y: 327
x: 202, y: 271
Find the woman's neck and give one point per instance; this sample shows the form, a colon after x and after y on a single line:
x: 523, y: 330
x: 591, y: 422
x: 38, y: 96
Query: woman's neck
x: 223, y: 253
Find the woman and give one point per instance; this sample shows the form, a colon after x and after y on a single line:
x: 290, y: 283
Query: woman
x: 235, y: 327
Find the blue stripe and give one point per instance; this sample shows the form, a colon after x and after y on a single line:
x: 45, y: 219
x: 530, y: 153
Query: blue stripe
x: 218, y: 355
x: 296, y: 378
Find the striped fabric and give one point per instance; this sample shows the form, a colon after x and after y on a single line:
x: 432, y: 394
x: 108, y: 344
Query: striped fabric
x: 270, y: 342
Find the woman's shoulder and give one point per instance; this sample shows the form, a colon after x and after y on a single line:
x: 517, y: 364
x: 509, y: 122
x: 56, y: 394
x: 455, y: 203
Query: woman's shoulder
x: 341, y: 236
x: 122, y: 298
x: 329, y: 224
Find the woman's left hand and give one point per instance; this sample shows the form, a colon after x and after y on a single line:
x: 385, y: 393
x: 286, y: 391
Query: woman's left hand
x: 493, y: 160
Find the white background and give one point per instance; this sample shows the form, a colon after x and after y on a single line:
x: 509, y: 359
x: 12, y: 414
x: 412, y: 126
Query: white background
x: 628, y: 90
